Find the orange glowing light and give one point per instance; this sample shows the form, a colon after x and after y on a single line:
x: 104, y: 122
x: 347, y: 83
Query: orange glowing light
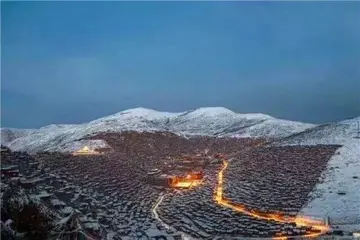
x: 300, y: 221
x: 85, y: 151
x: 185, y: 182
x: 182, y: 184
x: 189, y: 181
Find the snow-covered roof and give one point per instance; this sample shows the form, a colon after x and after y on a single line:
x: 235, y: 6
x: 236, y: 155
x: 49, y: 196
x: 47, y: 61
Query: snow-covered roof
x: 9, y: 167
x: 57, y: 202
x: 43, y: 194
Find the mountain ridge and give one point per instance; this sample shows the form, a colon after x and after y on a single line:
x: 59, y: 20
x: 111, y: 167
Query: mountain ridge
x: 330, y: 133
x: 205, y: 121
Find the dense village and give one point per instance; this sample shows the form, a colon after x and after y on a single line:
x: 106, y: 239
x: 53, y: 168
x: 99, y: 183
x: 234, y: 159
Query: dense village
x: 161, y: 186
x: 277, y: 179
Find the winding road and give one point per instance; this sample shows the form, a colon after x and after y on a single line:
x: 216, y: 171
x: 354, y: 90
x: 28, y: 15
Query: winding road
x: 166, y: 226
x: 300, y: 221
x: 154, y: 210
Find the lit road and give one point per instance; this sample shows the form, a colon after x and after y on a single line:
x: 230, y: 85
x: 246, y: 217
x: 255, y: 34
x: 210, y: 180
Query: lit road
x: 156, y: 216
x: 300, y: 221
x: 154, y: 210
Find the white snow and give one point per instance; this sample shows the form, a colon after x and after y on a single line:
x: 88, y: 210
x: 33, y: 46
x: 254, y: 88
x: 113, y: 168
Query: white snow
x: 110, y: 235
x: 351, y: 120
x: 213, y: 121
x: 338, y: 177
x: 332, y: 133
x: 64, y: 220
x: 19, y: 199
x: 8, y: 223
x: 209, y: 111
x: 273, y: 128
x: 43, y: 194
x: 141, y: 112
x: 9, y: 134
x: 210, y: 121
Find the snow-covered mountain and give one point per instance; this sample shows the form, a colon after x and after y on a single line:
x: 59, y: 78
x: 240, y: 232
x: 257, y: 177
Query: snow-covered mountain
x: 10, y: 134
x: 211, y: 121
x: 331, y: 133
x: 341, y: 175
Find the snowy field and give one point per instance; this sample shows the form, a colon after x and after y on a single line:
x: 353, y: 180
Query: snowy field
x: 341, y: 176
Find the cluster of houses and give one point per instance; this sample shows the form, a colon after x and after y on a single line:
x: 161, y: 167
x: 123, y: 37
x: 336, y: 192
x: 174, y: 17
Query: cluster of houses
x: 39, y: 184
x: 109, y: 191
x: 276, y: 179
x: 112, y: 194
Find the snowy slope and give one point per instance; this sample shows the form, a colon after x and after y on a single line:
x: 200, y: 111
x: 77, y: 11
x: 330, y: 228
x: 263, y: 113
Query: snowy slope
x: 10, y: 134
x: 212, y: 121
x: 274, y: 128
x: 342, y: 175
x: 332, y: 133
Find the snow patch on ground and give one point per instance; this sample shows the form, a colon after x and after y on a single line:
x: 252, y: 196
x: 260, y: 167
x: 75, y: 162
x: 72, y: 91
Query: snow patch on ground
x: 339, y: 178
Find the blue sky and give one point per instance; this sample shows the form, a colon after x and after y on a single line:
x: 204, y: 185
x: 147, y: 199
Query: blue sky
x: 71, y: 62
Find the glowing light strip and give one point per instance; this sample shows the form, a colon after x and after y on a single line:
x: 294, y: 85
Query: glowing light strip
x: 300, y: 221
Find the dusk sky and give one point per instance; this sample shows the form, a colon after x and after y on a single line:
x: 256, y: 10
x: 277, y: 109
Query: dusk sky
x: 72, y: 62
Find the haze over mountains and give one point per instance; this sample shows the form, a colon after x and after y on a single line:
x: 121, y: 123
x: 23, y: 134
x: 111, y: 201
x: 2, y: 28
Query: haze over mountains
x: 208, y: 121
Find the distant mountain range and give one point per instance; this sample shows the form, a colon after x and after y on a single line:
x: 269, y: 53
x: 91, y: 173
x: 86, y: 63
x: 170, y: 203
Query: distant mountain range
x: 208, y: 121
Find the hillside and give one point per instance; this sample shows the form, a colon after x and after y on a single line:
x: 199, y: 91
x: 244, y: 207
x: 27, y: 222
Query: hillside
x: 331, y: 133
x: 211, y: 121
x: 10, y: 134
x: 336, y: 194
